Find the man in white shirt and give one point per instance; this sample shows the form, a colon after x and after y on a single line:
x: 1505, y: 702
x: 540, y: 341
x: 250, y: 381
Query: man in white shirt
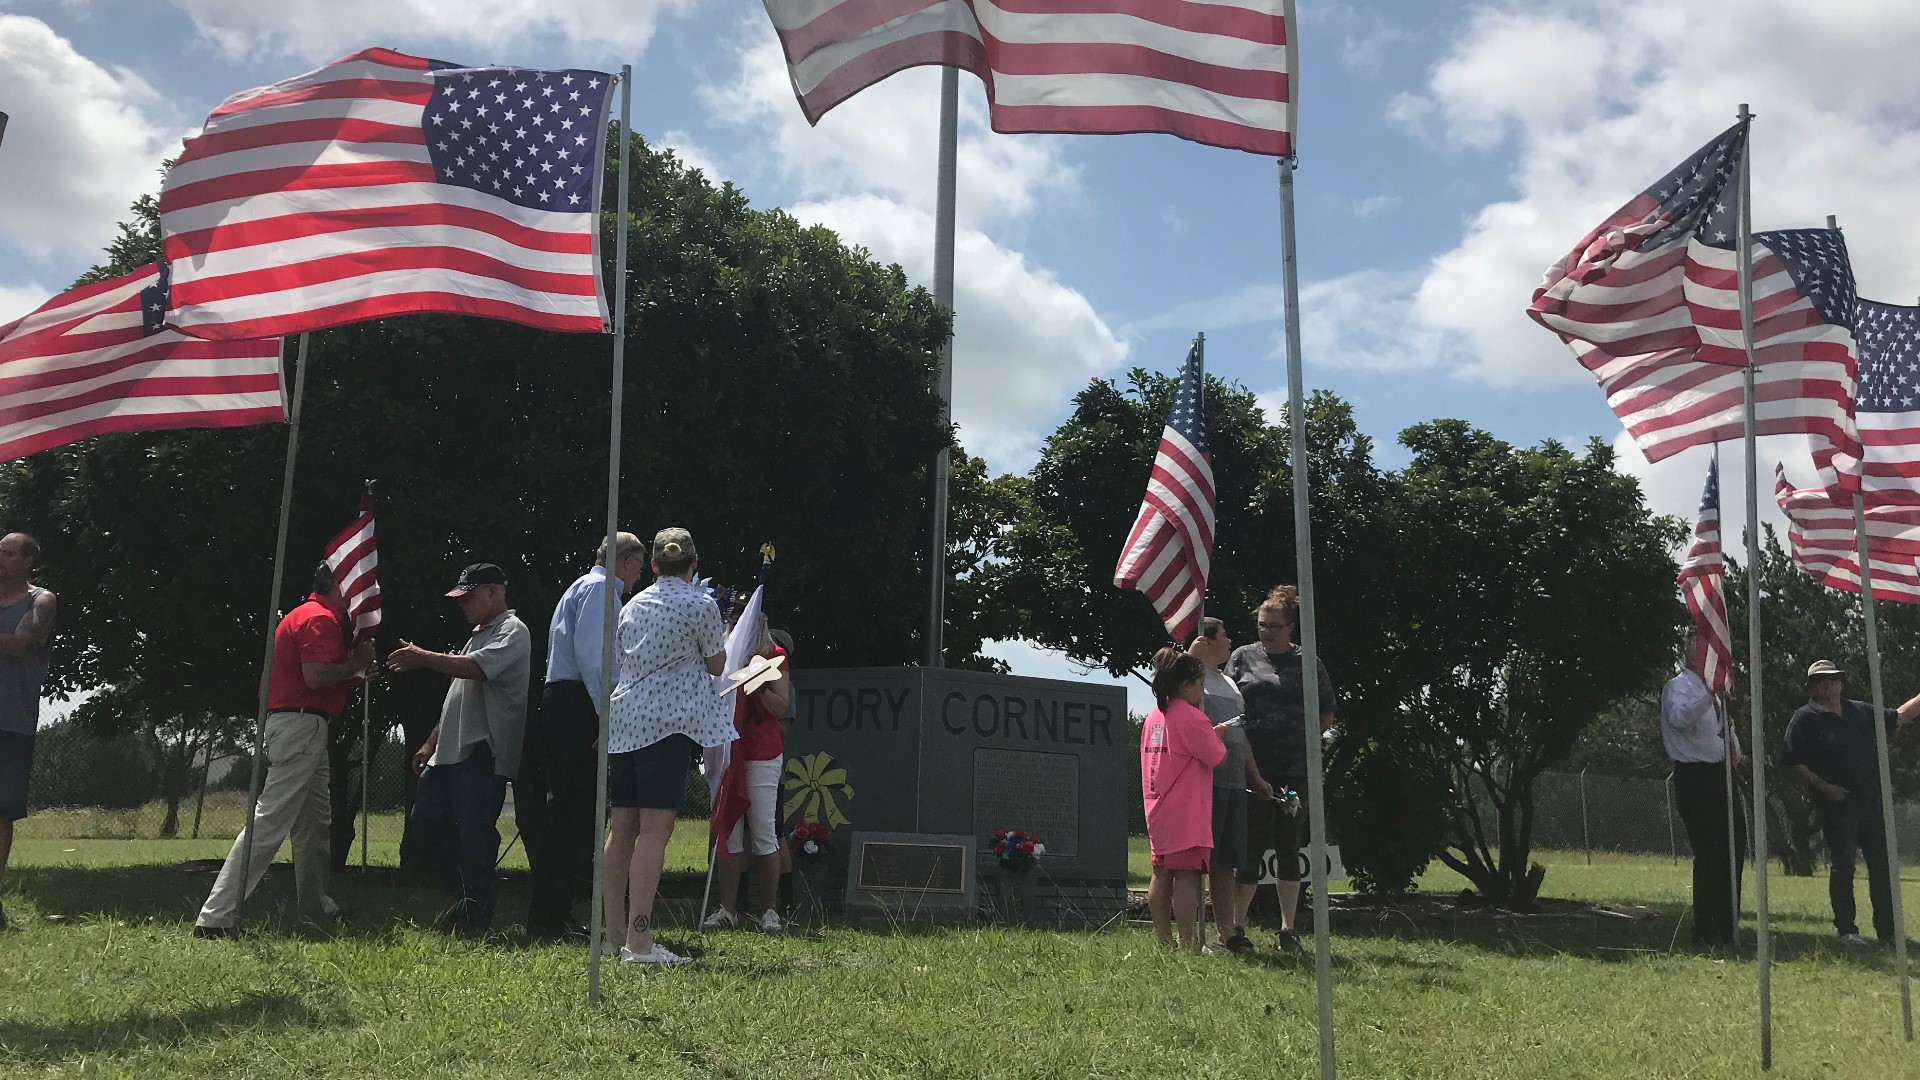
x: 1693, y: 725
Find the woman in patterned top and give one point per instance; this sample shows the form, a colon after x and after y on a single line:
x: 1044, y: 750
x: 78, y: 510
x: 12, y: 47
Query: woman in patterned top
x: 671, y: 644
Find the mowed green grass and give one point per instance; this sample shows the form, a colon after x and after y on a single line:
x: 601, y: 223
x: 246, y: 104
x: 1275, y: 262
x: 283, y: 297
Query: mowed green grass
x: 101, y: 978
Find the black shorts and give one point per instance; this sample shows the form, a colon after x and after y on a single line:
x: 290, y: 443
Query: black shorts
x: 653, y: 777
x: 16, y: 768
x: 1229, y: 828
x: 1270, y: 827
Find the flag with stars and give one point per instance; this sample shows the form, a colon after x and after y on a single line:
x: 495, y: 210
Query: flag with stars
x: 98, y: 359
x: 1703, y: 582
x: 1649, y: 303
x: 1170, y: 550
x: 386, y: 184
x: 1823, y: 540
x: 1888, y: 408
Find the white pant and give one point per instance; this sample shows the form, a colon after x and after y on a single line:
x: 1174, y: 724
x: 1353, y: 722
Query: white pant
x: 294, y: 800
x: 763, y: 795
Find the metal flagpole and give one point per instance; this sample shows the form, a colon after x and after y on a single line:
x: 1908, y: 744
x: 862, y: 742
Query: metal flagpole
x: 1726, y: 747
x: 597, y: 917
x: 1880, y: 745
x: 1309, y: 626
x: 1763, y: 948
x: 1200, y: 354
x: 943, y: 296
x: 366, y: 763
x: 273, y: 613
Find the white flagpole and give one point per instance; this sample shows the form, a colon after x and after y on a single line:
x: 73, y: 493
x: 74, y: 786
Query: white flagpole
x: 1309, y: 626
x: 943, y: 217
x: 597, y: 917
x: 1726, y: 741
x: 1200, y: 354
x: 273, y: 613
x: 1763, y: 949
x: 366, y: 762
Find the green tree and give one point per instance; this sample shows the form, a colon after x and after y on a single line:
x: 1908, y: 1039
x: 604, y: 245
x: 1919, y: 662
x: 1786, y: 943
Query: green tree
x: 1537, y: 593
x: 778, y: 389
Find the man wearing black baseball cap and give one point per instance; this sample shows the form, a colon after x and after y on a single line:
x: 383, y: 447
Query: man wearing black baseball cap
x: 1830, y: 743
x: 465, y: 764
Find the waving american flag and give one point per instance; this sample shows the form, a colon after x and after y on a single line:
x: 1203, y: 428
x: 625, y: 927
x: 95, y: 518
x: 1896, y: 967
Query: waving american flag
x: 385, y: 184
x: 1822, y: 538
x: 355, y: 561
x: 1170, y: 549
x: 1703, y: 582
x: 1888, y: 406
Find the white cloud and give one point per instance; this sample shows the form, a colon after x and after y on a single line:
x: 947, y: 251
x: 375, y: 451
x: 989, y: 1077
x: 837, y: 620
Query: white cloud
x: 1673, y: 486
x: 17, y: 300
x: 81, y: 144
x: 693, y: 155
x: 320, y: 30
x: 1373, y: 205
x: 1023, y: 342
x: 1598, y: 98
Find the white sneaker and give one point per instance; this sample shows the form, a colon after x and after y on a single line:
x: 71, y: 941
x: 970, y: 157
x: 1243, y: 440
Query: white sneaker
x: 1852, y: 939
x: 721, y: 919
x: 659, y: 957
x: 771, y: 922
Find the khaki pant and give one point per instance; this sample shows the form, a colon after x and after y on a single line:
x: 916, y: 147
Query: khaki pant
x: 294, y: 801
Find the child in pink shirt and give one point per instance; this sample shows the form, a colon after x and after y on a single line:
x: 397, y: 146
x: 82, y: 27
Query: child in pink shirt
x: 1178, y: 750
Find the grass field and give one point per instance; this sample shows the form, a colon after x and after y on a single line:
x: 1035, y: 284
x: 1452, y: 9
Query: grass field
x: 101, y: 978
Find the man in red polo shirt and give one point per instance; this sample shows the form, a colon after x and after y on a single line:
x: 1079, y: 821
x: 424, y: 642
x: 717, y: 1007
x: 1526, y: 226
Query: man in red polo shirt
x: 307, y: 688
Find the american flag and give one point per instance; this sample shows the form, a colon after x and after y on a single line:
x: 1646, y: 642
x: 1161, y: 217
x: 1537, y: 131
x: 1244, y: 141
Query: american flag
x: 1650, y: 304
x: 1703, y: 582
x: 385, y: 184
x: 355, y: 561
x: 1170, y: 549
x: 97, y: 359
x: 1216, y: 72
x: 1823, y: 541
x: 1888, y: 405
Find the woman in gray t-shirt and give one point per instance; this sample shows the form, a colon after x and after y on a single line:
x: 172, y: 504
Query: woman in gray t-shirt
x: 1231, y: 779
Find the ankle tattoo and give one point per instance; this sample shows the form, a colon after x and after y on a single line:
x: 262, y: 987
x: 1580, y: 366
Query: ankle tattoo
x: 640, y: 925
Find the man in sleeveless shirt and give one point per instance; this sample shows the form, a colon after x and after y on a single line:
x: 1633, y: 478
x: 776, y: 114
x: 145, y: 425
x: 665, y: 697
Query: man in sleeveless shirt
x: 26, y: 625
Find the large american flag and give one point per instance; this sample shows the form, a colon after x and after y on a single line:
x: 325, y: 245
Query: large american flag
x: 1888, y: 405
x: 97, y: 359
x: 1703, y: 583
x: 1824, y: 542
x: 1650, y: 304
x: 1213, y: 71
x: 385, y: 184
x: 355, y: 560
x: 1170, y: 549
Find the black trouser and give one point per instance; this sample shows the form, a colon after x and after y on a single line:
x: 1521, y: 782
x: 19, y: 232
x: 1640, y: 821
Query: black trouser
x: 557, y: 785
x: 1854, y: 826
x: 1700, y: 791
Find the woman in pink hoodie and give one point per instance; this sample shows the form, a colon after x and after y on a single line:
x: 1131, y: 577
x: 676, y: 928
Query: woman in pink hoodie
x: 1178, y: 750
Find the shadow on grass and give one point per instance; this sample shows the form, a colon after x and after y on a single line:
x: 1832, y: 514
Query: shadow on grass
x: 51, y: 1043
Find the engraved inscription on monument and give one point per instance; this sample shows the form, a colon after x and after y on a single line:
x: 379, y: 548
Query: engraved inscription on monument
x: 1031, y: 791
x: 897, y: 867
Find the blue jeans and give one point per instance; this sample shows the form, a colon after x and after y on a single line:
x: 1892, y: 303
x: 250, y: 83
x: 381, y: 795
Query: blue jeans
x: 455, y: 811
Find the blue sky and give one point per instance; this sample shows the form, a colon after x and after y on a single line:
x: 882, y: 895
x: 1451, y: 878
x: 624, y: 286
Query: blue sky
x: 1449, y: 151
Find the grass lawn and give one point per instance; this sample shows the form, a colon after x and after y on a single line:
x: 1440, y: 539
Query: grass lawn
x: 101, y: 978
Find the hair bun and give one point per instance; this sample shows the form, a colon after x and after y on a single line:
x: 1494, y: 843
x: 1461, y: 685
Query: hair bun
x: 671, y: 550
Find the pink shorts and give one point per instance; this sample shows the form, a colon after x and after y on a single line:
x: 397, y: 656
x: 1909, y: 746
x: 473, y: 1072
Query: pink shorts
x: 1193, y: 858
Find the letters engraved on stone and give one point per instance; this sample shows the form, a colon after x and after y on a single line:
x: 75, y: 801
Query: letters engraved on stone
x: 895, y: 867
x: 1035, y: 792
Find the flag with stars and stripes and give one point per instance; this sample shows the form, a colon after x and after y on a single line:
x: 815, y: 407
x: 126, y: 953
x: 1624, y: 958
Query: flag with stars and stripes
x: 355, y: 560
x: 97, y: 359
x: 1649, y: 303
x: 1170, y: 550
x: 1823, y: 541
x: 1888, y: 403
x: 1703, y: 583
x: 385, y: 184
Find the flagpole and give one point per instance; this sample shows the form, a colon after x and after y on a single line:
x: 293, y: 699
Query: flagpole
x: 597, y: 917
x: 943, y: 297
x: 1880, y: 742
x: 1309, y: 626
x: 1726, y: 746
x: 366, y: 763
x: 1200, y: 358
x: 273, y: 613
x: 1763, y: 949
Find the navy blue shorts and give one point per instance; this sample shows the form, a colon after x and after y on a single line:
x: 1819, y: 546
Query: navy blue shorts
x: 16, y: 766
x: 653, y: 777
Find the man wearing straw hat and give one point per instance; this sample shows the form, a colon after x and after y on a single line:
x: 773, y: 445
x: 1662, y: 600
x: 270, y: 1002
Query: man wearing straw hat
x: 1831, y: 744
